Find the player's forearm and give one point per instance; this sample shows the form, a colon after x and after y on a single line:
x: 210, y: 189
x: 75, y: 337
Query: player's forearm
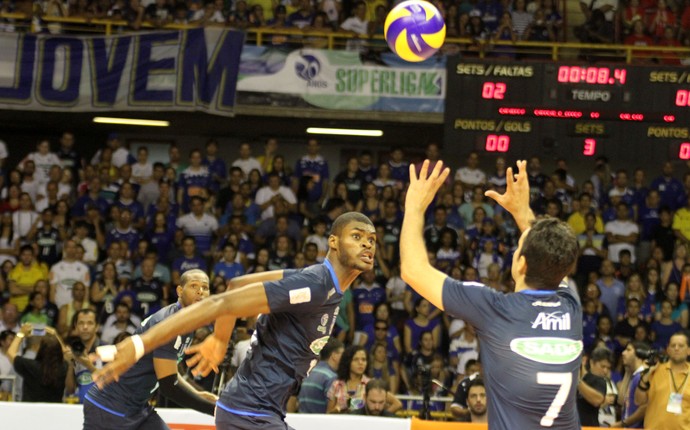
x: 244, y: 302
x: 241, y: 281
x: 222, y: 328
x: 415, y: 268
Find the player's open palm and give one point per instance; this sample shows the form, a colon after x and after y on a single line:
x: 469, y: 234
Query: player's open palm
x: 124, y: 358
x: 517, y: 189
x: 423, y: 188
x: 207, y: 355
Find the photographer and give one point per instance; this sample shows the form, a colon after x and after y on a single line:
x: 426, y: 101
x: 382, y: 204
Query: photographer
x: 665, y: 388
x: 633, y: 356
x: 80, y: 356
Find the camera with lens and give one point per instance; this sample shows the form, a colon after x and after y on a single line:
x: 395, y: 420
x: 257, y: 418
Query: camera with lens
x: 77, y: 346
x: 650, y: 356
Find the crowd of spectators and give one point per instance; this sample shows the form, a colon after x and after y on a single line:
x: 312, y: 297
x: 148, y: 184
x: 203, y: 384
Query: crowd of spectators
x: 635, y: 22
x: 91, y: 246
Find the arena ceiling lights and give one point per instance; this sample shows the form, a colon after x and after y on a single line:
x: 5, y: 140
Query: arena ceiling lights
x: 345, y: 132
x: 130, y: 121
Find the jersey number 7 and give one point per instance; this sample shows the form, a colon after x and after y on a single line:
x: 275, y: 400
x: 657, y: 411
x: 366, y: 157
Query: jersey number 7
x: 564, y: 381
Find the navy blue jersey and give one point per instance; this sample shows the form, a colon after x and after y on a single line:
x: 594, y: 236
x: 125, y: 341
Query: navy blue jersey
x: 130, y: 395
x: 531, y: 343
x: 286, y: 342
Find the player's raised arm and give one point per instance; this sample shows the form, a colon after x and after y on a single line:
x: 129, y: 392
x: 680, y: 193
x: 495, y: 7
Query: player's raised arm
x: 415, y: 268
x: 243, y: 302
x: 516, y: 198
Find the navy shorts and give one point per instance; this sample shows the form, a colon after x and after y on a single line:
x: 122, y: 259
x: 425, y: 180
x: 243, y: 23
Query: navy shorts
x: 226, y: 420
x: 96, y: 418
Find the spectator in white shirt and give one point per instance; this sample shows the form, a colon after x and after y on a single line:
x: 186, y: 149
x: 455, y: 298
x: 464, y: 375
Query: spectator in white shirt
x: 621, y: 233
x: 273, y: 194
x: 246, y: 162
x: 471, y: 174
x: 43, y: 159
x: 358, y: 25
x: 142, y: 170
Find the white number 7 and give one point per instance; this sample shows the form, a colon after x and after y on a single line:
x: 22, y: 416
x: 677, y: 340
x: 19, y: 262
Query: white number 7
x: 565, y: 380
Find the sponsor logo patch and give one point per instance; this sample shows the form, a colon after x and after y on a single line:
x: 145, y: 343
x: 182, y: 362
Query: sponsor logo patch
x: 301, y: 295
x: 548, y: 350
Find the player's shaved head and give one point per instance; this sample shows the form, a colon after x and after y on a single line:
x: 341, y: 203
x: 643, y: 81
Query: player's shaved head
x: 345, y: 219
x: 193, y: 274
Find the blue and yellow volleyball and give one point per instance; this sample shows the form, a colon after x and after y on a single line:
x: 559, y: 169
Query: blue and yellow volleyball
x: 414, y: 30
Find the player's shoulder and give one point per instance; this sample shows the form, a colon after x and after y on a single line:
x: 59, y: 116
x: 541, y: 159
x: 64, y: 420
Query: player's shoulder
x: 159, y: 316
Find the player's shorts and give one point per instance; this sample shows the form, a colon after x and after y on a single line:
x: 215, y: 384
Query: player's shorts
x: 96, y: 418
x: 226, y: 420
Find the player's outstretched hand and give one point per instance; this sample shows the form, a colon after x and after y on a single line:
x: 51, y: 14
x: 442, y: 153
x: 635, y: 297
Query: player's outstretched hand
x: 422, y: 189
x: 207, y: 355
x: 516, y: 198
x: 123, y: 359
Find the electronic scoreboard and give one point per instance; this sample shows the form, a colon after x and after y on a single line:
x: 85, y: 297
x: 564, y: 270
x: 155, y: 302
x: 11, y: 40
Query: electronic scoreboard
x: 525, y: 108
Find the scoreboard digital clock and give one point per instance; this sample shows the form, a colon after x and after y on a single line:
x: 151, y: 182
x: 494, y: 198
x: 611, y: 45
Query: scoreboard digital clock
x: 632, y: 113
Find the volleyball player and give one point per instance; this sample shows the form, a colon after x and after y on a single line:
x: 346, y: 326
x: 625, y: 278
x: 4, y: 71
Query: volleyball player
x: 298, y: 308
x: 124, y: 404
x: 531, y: 339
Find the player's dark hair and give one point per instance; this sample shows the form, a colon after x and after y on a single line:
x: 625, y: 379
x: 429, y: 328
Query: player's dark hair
x: 375, y: 384
x: 332, y: 346
x: 345, y: 219
x: 550, y: 250
x: 476, y: 382
x: 346, y: 361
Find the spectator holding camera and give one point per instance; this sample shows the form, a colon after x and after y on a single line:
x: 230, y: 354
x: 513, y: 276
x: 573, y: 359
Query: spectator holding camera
x: 80, y: 355
x: 665, y: 389
x: 44, y: 377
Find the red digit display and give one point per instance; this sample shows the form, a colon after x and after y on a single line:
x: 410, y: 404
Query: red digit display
x: 590, y: 147
x: 591, y: 75
x: 684, y: 153
x: 494, y: 90
x: 497, y: 143
x: 683, y: 98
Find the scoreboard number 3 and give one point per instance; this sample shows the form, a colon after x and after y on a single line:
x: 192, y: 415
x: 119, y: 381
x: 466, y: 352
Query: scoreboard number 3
x: 590, y: 147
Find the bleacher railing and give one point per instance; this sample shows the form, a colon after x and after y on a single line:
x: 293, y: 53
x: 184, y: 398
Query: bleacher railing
x: 290, y: 37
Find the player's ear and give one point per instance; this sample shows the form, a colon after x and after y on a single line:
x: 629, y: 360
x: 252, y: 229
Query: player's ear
x: 179, y: 290
x: 332, y: 242
x: 522, y: 265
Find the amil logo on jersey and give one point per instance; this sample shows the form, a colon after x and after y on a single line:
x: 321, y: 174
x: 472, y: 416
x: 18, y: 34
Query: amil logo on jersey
x: 308, y: 68
x: 552, y: 321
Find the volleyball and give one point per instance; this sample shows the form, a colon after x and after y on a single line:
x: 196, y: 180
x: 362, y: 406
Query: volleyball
x: 415, y: 30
